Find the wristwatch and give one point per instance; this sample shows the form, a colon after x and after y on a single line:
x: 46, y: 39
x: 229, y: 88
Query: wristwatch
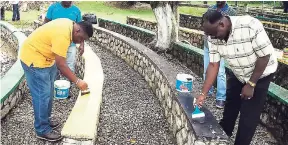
x: 251, y: 84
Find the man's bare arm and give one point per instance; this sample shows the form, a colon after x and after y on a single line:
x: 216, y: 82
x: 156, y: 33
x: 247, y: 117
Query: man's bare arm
x: 46, y: 20
x: 260, y: 66
x: 211, y: 75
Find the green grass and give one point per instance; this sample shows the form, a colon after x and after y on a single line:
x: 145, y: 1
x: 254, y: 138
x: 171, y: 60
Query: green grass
x: 268, y: 4
x: 104, y: 11
x: 192, y: 11
x: 26, y: 18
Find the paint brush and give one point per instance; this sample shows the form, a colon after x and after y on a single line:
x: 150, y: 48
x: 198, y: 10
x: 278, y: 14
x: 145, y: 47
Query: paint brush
x: 85, y: 92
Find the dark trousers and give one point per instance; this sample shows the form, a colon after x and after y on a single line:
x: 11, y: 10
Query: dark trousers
x: 16, y: 14
x: 285, y: 4
x: 2, y: 17
x: 250, y: 110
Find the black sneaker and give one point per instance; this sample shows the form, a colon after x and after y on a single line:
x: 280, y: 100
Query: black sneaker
x: 54, y: 124
x: 220, y: 104
x: 51, y: 136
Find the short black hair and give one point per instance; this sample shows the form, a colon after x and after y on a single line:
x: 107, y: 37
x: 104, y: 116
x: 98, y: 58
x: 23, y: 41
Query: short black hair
x: 212, y: 16
x: 87, y: 27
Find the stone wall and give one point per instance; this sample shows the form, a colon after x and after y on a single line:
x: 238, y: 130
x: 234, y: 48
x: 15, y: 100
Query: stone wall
x: 283, y: 27
x: 194, y: 37
x: 160, y: 76
x: 274, y: 116
x: 13, y: 84
x: 192, y: 57
x: 141, y: 35
x: 279, y: 38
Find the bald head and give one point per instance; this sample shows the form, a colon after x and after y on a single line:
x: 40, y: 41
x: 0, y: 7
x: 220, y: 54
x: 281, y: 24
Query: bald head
x: 215, y: 24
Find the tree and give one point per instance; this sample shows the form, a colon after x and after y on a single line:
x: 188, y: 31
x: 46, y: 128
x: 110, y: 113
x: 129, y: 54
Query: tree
x: 167, y: 16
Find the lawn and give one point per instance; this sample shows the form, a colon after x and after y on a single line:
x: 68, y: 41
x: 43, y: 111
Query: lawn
x: 101, y: 9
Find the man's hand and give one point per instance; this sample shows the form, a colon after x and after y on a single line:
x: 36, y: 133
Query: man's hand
x: 81, y: 48
x: 247, y: 92
x: 200, y: 100
x: 82, y: 85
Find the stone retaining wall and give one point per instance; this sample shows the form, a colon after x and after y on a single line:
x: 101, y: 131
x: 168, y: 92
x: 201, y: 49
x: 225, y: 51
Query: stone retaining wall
x: 13, y: 84
x: 160, y: 76
x: 283, y: 27
x: 274, y: 115
x: 194, y: 38
x: 278, y: 38
x: 141, y: 35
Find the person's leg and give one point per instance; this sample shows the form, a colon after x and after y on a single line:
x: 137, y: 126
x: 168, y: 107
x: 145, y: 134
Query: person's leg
x: 17, y: 13
x: 250, y: 112
x: 53, y: 74
x: 14, y: 12
x: 221, y: 82
x: 232, y: 104
x: 71, y: 57
x: 206, y: 62
x: 38, y: 81
x: 2, y: 13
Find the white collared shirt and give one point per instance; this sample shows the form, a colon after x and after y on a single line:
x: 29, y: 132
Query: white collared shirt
x: 246, y: 43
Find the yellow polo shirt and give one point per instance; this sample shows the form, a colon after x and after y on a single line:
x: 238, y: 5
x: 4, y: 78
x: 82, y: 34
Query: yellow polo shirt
x: 42, y: 44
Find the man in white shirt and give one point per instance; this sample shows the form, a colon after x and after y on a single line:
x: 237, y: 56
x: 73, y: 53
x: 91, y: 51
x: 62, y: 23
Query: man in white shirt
x: 16, y: 13
x: 243, y: 43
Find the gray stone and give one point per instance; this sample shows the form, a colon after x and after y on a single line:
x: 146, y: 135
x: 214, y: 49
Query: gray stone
x: 13, y: 101
x: 179, y: 138
x: 178, y: 122
x: 89, y: 142
x: 5, y: 110
x: 139, y: 70
x: 191, y: 138
x: 199, y: 143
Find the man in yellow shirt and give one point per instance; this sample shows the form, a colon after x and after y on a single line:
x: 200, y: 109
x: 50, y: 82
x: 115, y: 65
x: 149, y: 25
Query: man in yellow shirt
x: 41, y: 53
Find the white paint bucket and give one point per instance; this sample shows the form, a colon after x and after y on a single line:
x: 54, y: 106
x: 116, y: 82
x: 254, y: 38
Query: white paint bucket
x: 61, y: 89
x: 184, y: 82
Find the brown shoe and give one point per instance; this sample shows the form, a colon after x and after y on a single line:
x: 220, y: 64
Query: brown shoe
x: 51, y: 136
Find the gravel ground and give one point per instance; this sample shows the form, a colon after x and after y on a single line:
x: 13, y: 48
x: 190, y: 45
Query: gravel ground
x: 17, y: 128
x: 8, y: 57
x: 261, y: 137
x: 130, y: 112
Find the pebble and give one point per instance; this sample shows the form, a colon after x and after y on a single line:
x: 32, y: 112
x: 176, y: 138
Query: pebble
x: 8, y: 57
x: 130, y: 112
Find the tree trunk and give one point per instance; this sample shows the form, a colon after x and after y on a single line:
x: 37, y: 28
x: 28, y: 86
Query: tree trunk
x: 166, y: 14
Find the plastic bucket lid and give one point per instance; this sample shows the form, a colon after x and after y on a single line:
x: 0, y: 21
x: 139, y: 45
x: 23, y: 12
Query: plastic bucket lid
x: 62, y: 84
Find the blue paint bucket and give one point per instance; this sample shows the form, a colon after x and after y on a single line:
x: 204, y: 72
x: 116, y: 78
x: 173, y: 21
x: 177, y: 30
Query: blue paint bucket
x: 184, y: 82
x: 61, y: 89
